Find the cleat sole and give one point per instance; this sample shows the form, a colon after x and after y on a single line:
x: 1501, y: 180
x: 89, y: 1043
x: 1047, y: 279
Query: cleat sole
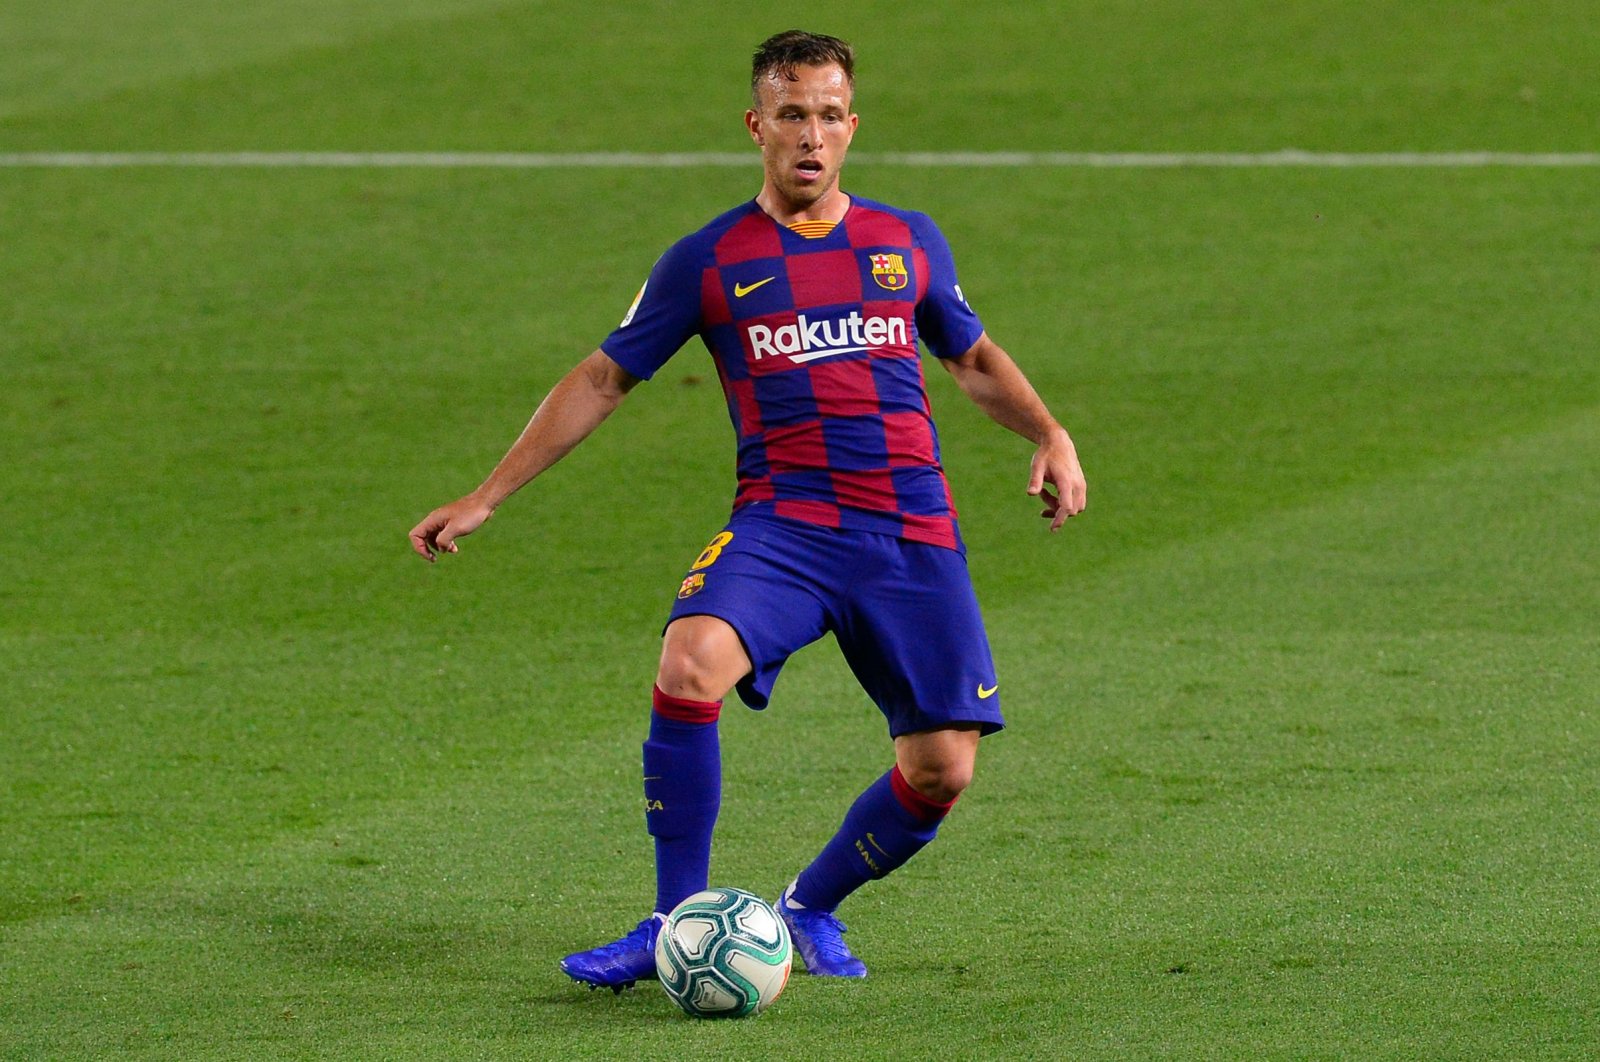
x: 593, y: 985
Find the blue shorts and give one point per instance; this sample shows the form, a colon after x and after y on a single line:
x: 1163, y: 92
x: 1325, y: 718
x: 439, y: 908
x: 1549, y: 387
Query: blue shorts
x: 903, y: 612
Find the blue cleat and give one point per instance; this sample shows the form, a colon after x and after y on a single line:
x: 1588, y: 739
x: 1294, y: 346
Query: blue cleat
x: 619, y: 964
x: 819, y: 938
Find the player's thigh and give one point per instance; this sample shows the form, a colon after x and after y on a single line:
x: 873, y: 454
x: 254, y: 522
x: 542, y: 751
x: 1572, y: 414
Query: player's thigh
x: 701, y: 658
x: 758, y: 577
x: 914, y: 637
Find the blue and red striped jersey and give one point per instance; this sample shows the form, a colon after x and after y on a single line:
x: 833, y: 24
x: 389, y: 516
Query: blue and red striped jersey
x: 815, y: 342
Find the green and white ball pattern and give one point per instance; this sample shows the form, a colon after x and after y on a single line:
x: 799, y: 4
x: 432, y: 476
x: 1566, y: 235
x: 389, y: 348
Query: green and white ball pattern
x: 724, y: 953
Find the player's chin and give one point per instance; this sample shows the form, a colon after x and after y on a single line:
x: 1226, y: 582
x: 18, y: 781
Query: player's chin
x: 810, y: 189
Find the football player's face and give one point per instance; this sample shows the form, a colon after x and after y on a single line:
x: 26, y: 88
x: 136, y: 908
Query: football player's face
x: 804, y: 127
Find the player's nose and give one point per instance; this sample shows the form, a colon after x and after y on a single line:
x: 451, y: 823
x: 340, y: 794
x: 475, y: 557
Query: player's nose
x: 811, y: 134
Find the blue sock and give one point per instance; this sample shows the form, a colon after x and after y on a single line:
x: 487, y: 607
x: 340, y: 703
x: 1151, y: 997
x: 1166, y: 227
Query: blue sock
x: 682, y: 794
x: 887, y: 825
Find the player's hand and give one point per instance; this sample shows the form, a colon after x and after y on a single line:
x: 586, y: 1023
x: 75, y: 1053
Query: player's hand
x: 1055, y: 464
x: 439, y: 529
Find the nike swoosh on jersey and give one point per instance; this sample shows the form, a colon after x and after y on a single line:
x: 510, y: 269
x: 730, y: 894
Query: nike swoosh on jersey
x: 985, y: 694
x: 741, y: 290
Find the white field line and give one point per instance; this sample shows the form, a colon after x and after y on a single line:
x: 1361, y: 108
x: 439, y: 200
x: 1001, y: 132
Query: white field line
x: 684, y: 160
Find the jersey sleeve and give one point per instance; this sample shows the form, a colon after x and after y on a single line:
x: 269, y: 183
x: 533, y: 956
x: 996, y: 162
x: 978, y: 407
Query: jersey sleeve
x: 944, y: 320
x: 664, y: 315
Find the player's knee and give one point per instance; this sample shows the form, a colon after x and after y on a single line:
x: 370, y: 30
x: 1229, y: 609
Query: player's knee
x: 682, y: 674
x: 695, y: 669
x: 939, y: 780
x: 700, y: 662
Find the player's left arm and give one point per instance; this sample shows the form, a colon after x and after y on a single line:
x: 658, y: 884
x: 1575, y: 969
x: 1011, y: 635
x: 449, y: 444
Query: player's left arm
x: 987, y: 375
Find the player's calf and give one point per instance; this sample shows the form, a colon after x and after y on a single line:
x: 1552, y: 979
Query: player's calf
x: 885, y: 827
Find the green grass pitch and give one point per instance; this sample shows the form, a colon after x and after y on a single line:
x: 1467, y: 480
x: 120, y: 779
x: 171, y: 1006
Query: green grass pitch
x: 1304, y: 752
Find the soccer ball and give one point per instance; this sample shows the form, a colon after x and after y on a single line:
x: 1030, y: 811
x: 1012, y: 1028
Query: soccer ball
x: 724, y: 953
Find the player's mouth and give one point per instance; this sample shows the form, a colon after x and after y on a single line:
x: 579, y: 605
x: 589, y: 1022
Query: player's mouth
x: 809, y: 169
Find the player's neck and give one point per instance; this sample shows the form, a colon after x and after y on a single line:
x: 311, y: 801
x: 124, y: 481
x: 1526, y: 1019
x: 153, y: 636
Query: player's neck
x: 831, y: 207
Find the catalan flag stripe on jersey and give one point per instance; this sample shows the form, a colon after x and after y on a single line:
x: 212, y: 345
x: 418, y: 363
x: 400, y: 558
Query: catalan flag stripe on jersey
x: 815, y: 341
x: 812, y: 230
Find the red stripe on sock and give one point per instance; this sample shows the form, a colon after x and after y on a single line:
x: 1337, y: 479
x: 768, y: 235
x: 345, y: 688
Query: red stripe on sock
x: 914, y: 802
x: 685, y: 711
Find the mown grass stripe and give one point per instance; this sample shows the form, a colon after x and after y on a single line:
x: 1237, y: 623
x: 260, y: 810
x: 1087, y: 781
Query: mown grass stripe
x: 690, y: 159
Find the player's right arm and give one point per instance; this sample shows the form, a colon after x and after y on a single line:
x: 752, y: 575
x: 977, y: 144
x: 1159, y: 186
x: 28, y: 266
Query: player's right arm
x: 663, y: 316
x: 574, y: 407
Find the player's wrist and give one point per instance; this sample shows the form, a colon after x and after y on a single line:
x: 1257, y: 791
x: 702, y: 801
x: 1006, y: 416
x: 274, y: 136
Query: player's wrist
x: 1054, y: 435
x: 486, y: 497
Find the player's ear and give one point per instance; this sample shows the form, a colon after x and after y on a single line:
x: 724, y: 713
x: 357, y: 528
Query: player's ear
x: 752, y: 122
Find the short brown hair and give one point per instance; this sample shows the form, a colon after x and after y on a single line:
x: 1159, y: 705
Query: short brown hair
x: 780, y: 53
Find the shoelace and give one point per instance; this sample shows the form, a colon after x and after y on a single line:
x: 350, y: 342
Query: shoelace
x: 830, y: 942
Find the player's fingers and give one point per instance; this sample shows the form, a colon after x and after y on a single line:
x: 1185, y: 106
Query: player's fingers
x: 1035, y: 478
x: 1072, y: 495
x: 419, y: 542
x: 1075, y: 496
x: 1057, y: 510
x: 1071, y: 486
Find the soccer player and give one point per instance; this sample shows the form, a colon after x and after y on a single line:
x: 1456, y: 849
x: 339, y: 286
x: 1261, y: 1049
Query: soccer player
x: 811, y: 302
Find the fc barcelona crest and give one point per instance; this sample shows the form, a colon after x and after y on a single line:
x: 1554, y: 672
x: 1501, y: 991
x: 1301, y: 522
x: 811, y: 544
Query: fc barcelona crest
x: 691, y: 586
x: 889, y: 270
